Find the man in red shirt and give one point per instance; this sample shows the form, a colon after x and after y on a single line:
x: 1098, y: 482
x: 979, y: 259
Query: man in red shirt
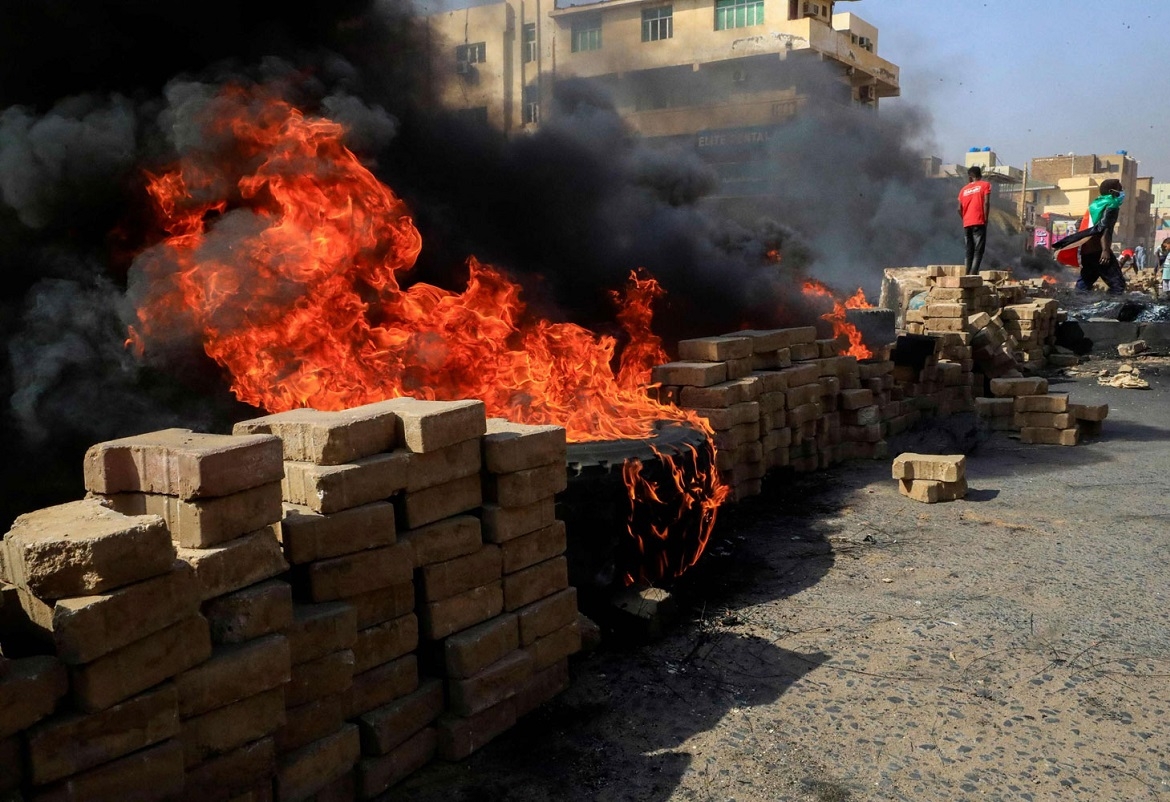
x: 974, y: 203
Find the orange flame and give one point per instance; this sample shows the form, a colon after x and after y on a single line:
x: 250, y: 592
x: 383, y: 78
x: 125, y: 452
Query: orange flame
x: 287, y: 257
x: 1049, y: 280
x: 841, y: 326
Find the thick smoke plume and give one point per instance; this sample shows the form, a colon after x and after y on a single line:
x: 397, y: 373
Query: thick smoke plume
x: 570, y: 210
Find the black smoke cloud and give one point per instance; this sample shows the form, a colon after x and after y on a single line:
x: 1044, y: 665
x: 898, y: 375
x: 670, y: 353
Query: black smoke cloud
x: 90, y: 97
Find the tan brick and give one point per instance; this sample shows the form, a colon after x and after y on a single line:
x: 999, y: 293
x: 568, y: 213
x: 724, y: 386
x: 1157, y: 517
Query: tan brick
x: 320, y: 629
x: 227, y: 728
x: 383, y: 684
x: 236, y: 564
x: 509, y: 447
x: 765, y: 340
x: 443, y: 580
x: 29, y: 691
x: 802, y: 352
x: 377, y: 774
x: 203, y: 522
x: 1089, y: 412
x: 471, y: 651
x: 720, y: 395
x: 62, y: 746
x: 302, y: 773
x: 330, y: 438
x: 535, y: 547
x: 1052, y: 437
x: 354, y: 574
x: 930, y: 491
x: 432, y: 425
x: 440, y: 619
x: 501, y: 524
x: 384, y: 642
x: 554, y: 647
x: 994, y: 407
x: 714, y: 349
x: 141, y: 664
x: 424, y: 507
x: 233, y: 673
x: 541, y: 687
x: 249, y: 613
x: 738, y: 368
x: 525, y: 487
x: 804, y: 394
x: 179, y: 462
x: 82, y: 548
x: 547, y: 615
x: 308, y: 536
x: 235, y: 772
x: 155, y: 773
x: 383, y: 604
x: 953, y: 282
x: 1052, y: 402
x: 443, y: 465
x: 312, y: 721
x: 459, y: 737
x: 944, y: 310
x: 689, y: 374
x: 737, y: 436
x: 771, y: 360
x: 318, y: 678
x: 936, y: 467
x: 1001, y: 388
x: 800, y: 375
x: 535, y: 582
x: 492, y: 685
x: 856, y: 399
x: 444, y: 540
x: 1043, y: 420
x: 745, y: 412
x: 332, y: 488
x: 84, y: 628
x: 385, y: 728
x: 805, y: 413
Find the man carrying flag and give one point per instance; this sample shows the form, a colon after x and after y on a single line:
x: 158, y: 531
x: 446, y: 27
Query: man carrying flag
x: 1091, y: 247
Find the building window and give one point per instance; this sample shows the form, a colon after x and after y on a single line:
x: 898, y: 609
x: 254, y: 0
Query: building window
x: 529, y: 42
x: 531, y: 104
x: 471, y: 54
x: 657, y: 23
x: 586, y: 33
x: 738, y: 13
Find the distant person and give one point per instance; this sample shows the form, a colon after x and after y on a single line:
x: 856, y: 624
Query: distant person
x: 1139, y: 257
x: 974, y: 204
x: 1091, y: 246
x: 1127, y: 260
x: 1163, y: 258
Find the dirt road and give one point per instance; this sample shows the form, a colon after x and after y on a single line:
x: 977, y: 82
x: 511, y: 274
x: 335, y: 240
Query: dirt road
x: 844, y: 643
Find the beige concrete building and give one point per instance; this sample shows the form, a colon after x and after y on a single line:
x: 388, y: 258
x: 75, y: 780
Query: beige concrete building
x: 722, y: 72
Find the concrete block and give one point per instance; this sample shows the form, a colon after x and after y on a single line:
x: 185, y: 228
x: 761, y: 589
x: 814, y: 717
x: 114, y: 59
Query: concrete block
x: 236, y: 772
x: 535, y: 547
x: 332, y: 488
x: 535, y: 582
x: 509, y: 447
x: 442, y: 618
x: 1049, y: 436
x: 317, y: 630
x: 376, y: 606
x: 385, y: 642
x: 468, y: 652
x: 1053, y: 402
x: 546, y: 615
x: 424, y: 507
x: 442, y: 465
x: 494, y: 684
x: 62, y: 746
x: 154, y: 773
x: 226, y: 728
x: 302, y: 773
x: 385, y: 728
x: 715, y: 349
x: 29, y: 691
x: 431, y: 425
x: 82, y: 548
x: 554, y: 647
x: 312, y: 721
x: 316, y: 679
x: 203, y: 522
x: 720, y: 395
x: 236, y: 564
x: 354, y: 574
x: 443, y: 580
x: 179, y: 462
x: 141, y: 664
x: 251, y: 612
x: 307, y: 535
x: 233, y: 673
x: 501, y: 524
x: 460, y: 737
x: 383, y: 684
x: 444, y: 540
x: 1089, y: 412
x: 935, y: 467
x: 377, y: 774
x: 689, y: 374
x: 330, y: 438
x: 931, y: 491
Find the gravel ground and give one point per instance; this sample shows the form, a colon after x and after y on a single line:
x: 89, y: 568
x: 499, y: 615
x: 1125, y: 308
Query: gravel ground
x: 841, y: 642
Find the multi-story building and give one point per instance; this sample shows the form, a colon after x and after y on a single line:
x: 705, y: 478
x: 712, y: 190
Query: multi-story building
x: 721, y: 74
x: 1161, y: 213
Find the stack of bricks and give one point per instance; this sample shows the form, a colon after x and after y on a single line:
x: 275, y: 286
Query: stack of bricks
x: 106, y: 590
x: 1032, y: 327
x: 220, y: 498
x: 1025, y: 405
x: 355, y: 634
x: 931, y: 478
x: 503, y: 667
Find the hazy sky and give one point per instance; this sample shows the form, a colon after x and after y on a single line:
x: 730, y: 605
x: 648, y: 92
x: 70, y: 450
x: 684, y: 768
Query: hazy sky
x: 1033, y: 77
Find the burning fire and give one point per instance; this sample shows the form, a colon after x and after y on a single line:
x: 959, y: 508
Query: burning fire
x: 287, y: 256
x: 841, y: 326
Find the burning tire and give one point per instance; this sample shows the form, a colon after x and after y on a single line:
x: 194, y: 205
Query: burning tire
x: 613, y: 541
x: 876, y: 325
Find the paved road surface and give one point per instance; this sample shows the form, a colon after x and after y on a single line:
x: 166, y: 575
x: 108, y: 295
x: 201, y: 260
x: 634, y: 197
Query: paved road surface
x: 844, y: 643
